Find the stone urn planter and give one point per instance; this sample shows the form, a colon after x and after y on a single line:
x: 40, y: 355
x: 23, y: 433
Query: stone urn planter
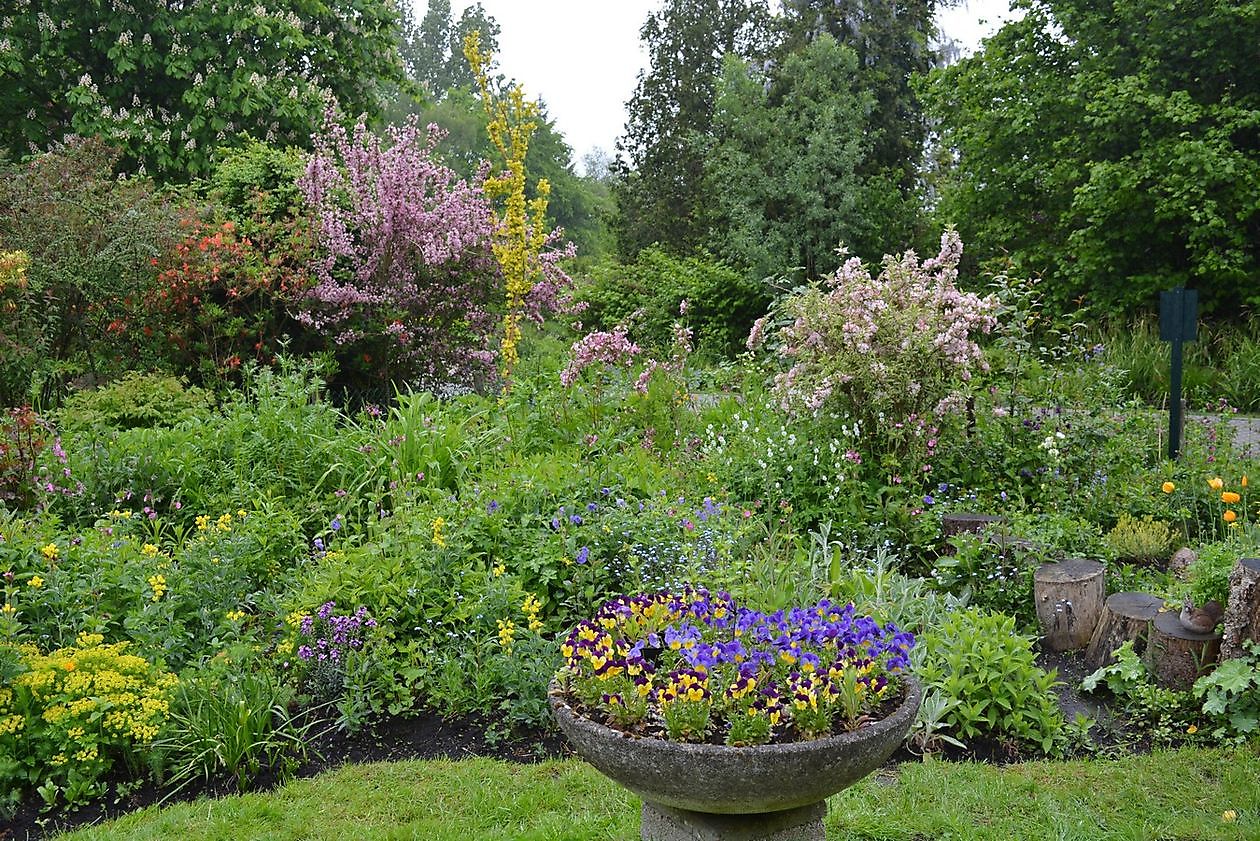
x: 704, y: 792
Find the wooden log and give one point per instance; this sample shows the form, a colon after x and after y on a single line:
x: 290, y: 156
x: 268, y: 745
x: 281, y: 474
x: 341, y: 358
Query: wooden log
x: 966, y: 522
x: 1177, y: 657
x: 1242, y: 611
x: 1069, y: 597
x: 1125, y: 616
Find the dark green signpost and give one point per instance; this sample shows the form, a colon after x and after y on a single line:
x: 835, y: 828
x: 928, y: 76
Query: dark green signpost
x: 1178, y: 322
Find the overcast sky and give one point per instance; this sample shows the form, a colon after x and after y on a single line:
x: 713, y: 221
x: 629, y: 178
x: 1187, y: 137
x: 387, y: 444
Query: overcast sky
x: 582, y: 57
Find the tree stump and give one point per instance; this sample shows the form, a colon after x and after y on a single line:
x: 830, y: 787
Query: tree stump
x: 1242, y: 611
x: 1125, y: 616
x: 1069, y: 597
x: 1181, y: 561
x: 965, y: 522
x: 1177, y: 657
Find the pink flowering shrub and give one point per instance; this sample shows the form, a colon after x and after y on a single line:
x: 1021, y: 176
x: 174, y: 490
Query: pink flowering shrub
x: 608, y: 349
x: 406, y: 276
x: 615, y: 350
x: 892, y: 352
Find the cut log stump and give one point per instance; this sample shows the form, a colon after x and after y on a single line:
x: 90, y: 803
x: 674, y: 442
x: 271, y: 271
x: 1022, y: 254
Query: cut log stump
x: 1177, y: 657
x: 1069, y: 596
x: 1242, y: 611
x: 1125, y: 616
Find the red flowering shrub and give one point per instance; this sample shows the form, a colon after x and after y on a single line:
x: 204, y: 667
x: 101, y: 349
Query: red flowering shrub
x: 221, y: 298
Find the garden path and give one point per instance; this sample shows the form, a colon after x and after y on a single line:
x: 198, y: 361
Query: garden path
x: 1246, y: 431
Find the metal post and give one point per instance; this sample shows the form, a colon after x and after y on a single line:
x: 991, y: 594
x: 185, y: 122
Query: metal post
x: 1178, y: 323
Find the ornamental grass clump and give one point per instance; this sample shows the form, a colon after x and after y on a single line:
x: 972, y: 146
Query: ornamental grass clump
x: 697, y: 667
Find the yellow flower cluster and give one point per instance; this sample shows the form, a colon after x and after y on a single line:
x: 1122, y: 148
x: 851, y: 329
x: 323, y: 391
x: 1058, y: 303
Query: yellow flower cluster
x: 438, y: 539
x: 1229, y: 515
x: 685, y: 686
x: 507, y: 633
x: 10, y: 722
x: 530, y: 608
x: 222, y: 524
x: 158, y: 583
x: 50, y: 551
x: 235, y: 615
x: 89, y: 695
x: 148, y: 550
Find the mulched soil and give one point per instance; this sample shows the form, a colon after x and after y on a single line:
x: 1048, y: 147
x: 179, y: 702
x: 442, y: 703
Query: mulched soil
x: 429, y: 736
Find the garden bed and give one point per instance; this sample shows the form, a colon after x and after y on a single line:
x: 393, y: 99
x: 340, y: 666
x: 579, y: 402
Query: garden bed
x: 390, y: 739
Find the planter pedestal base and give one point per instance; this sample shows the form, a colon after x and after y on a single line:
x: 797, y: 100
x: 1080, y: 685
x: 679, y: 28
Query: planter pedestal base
x: 665, y: 823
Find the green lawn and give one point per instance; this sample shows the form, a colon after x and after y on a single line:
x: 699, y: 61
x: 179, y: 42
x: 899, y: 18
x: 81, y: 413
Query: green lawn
x: 1179, y: 795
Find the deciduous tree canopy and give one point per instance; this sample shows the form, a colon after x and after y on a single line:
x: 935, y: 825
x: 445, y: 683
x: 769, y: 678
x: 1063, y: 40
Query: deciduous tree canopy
x: 168, y: 81
x: 1114, y: 147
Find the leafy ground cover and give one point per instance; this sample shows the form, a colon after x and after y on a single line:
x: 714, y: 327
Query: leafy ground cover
x: 1185, y: 794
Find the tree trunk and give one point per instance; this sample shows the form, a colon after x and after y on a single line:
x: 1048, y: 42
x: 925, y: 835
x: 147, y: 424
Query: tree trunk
x: 1242, y: 611
x: 1069, y: 596
x: 1125, y: 616
x: 1177, y: 657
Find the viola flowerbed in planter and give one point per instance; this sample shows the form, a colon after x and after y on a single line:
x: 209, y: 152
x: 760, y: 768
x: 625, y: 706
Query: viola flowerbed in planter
x: 731, y: 722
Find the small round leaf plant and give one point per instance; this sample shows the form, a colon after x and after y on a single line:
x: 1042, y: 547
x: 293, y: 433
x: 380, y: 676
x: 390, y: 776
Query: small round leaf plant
x: 697, y: 667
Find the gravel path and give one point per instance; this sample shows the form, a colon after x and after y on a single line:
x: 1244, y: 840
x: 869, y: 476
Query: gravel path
x: 1246, y: 431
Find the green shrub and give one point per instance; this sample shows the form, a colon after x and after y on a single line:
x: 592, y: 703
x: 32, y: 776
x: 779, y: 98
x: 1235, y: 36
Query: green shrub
x: 1144, y: 541
x: 646, y: 295
x: 134, y: 401
x: 1167, y: 715
x: 979, y: 660
x: 91, y: 238
x: 256, y: 185
x: 989, y: 572
x: 168, y: 590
